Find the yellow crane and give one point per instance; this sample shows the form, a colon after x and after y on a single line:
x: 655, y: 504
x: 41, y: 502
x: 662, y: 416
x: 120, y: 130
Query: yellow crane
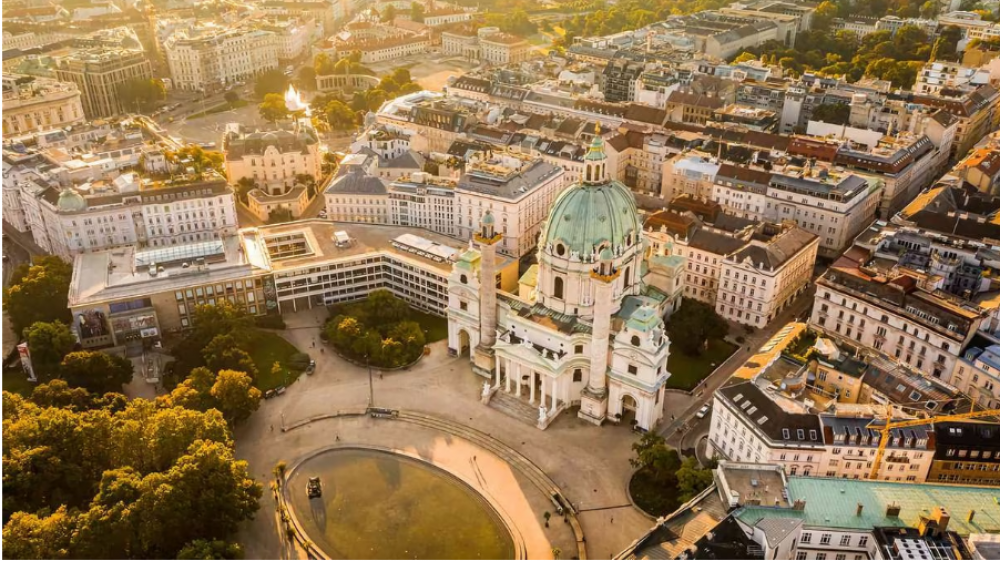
x: 886, y: 431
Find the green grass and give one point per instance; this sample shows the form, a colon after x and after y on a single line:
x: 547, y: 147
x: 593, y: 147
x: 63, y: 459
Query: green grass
x: 687, y: 371
x: 266, y: 349
x: 15, y: 381
x: 435, y: 326
x: 220, y: 108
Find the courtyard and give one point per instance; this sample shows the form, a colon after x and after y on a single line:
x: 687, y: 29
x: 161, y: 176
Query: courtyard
x: 443, y: 422
x: 430, y: 70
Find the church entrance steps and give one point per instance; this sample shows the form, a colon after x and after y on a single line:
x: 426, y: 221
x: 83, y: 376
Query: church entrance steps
x: 518, y: 408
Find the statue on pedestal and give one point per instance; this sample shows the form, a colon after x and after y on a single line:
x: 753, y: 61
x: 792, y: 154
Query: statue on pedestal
x: 543, y: 413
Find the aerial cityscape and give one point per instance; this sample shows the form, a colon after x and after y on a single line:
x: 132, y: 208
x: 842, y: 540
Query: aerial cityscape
x: 484, y: 279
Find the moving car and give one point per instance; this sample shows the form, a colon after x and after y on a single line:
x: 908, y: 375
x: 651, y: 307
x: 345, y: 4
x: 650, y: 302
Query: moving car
x: 703, y: 411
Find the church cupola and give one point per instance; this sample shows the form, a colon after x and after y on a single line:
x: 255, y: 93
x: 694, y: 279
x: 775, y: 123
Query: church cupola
x: 487, y: 229
x: 595, y: 163
x: 605, y: 269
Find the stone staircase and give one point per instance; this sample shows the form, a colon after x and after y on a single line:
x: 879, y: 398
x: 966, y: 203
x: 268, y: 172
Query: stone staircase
x: 509, y: 404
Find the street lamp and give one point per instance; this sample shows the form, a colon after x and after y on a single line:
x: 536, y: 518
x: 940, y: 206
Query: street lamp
x: 371, y: 385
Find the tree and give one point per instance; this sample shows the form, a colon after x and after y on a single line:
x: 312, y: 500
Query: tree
x: 243, y: 187
x: 307, y: 78
x: 280, y: 216
x: 384, y: 307
x: 48, y: 343
x: 833, y: 113
x: 38, y: 293
x: 692, y: 479
x: 654, y: 456
x: 340, y: 116
x: 96, y: 371
x: 138, y: 94
x: 270, y: 82
x: 323, y: 64
x: 195, y: 392
x: 417, y: 12
x: 235, y: 397
x: 691, y: 326
x: 273, y: 108
x: 28, y: 536
x: 209, y: 320
x: 824, y: 15
x: 929, y: 10
x: 58, y: 393
x: 211, y: 550
x: 744, y: 57
x: 223, y: 353
x: 231, y: 97
x: 388, y: 14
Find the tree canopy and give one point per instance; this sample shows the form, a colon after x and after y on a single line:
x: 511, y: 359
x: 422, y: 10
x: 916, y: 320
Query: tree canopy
x: 119, y: 479
x: 273, y: 108
x: 378, y: 328
x: 270, y: 82
x: 693, y: 324
x: 48, y: 343
x: 38, y: 292
x: 96, y: 371
x: 140, y: 94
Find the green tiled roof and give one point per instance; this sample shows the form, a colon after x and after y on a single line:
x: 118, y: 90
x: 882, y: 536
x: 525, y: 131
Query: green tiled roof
x: 585, y: 216
x: 833, y: 503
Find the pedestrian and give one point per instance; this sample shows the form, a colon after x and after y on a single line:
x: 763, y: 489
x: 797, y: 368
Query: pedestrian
x: 338, y: 438
x: 612, y: 519
x: 272, y: 428
x: 379, y: 375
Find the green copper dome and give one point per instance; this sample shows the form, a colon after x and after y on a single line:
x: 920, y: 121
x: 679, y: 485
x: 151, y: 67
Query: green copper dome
x: 71, y: 201
x: 586, y: 216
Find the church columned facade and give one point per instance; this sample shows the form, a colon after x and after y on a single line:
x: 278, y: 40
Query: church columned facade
x: 583, y: 331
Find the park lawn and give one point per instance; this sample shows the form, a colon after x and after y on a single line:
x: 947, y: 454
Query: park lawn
x: 435, y: 326
x: 266, y: 349
x: 687, y: 371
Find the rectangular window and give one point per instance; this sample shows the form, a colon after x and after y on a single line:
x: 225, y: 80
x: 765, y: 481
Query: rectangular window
x: 845, y: 540
x: 824, y: 539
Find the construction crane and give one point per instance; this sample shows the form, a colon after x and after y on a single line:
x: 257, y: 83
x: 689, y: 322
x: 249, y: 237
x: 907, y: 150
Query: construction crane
x: 886, y: 431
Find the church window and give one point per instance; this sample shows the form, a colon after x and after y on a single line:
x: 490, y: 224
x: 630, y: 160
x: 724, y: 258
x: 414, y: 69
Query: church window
x: 560, y: 250
x: 628, y: 275
x: 463, y: 305
x: 578, y: 375
x: 578, y: 349
x: 464, y: 279
x: 633, y: 369
x: 557, y: 288
x: 635, y: 340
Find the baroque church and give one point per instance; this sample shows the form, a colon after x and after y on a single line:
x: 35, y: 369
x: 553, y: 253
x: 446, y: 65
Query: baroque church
x: 584, y: 330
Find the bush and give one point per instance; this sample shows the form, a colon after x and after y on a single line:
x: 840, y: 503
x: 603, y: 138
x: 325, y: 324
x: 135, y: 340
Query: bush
x: 269, y: 322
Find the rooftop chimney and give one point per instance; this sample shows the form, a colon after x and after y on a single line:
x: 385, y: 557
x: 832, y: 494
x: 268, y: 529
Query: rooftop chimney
x: 892, y: 511
x: 972, y: 514
x: 861, y: 507
x: 799, y: 504
x: 941, y: 516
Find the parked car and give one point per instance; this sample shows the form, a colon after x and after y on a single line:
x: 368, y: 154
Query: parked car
x: 314, y: 489
x: 703, y: 411
x: 322, y: 214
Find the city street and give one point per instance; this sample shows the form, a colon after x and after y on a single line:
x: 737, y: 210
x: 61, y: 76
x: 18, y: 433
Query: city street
x: 685, y: 430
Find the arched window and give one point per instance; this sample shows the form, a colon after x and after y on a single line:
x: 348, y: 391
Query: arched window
x: 635, y: 340
x: 628, y: 276
x: 560, y: 250
x: 557, y: 288
x: 577, y: 375
x: 464, y: 279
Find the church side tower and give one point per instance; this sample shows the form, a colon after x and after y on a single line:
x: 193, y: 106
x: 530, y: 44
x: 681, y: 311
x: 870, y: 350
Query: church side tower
x: 594, y: 398
x: 487, y: 238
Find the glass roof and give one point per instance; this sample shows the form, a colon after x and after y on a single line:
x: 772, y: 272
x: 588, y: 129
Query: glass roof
x: 179, y: 253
